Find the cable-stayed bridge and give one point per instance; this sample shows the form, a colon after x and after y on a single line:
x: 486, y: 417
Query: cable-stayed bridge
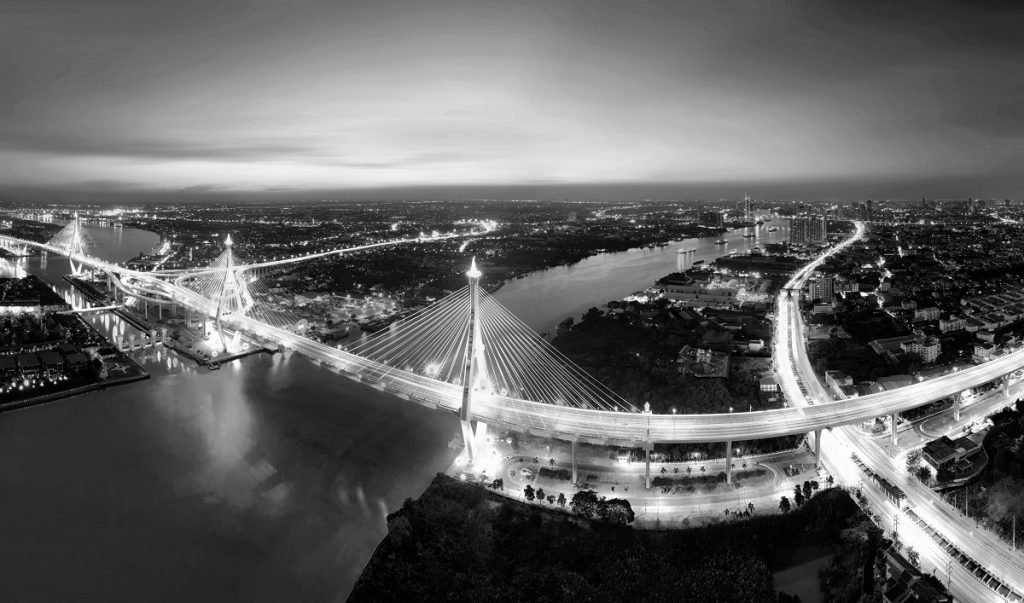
x: 469, y: 355
x: 528, y: 387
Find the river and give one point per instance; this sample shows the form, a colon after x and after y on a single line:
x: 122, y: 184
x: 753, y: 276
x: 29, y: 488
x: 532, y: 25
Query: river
x: 268, y: 480
x: 568, y: 291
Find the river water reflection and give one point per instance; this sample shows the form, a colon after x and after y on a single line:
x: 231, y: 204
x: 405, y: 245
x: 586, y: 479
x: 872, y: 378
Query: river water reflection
x: 268, y: 480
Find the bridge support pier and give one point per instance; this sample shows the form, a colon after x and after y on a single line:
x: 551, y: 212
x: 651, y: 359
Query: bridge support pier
x: 1006, y: 384
x: 895, y: 421
x: 817, y: 449
x: 575, y: 473
x: 957, y: 402
x: 648, y: 447
x: 728, y: 462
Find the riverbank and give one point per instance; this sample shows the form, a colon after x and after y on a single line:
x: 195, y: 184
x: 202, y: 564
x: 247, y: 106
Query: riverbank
x: 52, y: 397
x: 568, y: 291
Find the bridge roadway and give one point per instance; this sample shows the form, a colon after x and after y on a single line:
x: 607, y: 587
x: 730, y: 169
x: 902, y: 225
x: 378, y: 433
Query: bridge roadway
x: 570, y: 423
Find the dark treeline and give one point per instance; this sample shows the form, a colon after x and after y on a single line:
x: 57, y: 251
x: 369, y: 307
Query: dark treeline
x: 459, y: 542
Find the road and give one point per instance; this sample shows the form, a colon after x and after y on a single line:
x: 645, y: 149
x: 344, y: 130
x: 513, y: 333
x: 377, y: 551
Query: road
x: 987, y: 549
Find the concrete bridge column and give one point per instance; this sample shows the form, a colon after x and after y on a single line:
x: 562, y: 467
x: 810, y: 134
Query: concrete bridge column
x: 575, y: 475
x: 817, y: 449
x: 1006, y: 384
x: 895, y: 421
x: 647, y: 463
x: 957, y: 402
x: 728, y: 462
x: 160, y: 311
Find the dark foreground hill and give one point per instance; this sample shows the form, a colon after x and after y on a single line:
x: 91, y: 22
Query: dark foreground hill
x: 460, y: 542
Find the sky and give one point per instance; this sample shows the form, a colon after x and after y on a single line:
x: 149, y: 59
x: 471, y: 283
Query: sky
x: 261, y: 99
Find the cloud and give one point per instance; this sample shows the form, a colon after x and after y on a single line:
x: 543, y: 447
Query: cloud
x: 198, y: 98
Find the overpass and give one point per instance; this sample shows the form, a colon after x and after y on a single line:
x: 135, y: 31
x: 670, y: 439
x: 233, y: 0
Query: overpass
x: 92, y: 309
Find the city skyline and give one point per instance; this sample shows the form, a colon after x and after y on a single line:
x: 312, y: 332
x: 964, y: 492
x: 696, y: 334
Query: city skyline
x: 385, y: 100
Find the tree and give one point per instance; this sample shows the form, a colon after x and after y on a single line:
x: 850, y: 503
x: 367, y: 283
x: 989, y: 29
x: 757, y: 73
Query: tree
x: 815, y: 485
x: 830, y: 481
x: 924, y: 474
x: 913, y: 557
x: 1006, y: 499
x: 784, y: 505
x: 551, y: 499
x: 498, y: 484
x: 798, y: 496
x: 807, y: 490
x: 528, y: 491
x: 584, y: 503
x: 616, y: 510
x: 540, y: 494
x: 561, y: 499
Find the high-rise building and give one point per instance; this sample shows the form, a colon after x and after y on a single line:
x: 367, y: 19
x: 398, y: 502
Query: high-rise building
x: 712, y: 219
x: 817, y: 230
x: 748, y: 207
x: 798, y: 231
x: 821, y: 288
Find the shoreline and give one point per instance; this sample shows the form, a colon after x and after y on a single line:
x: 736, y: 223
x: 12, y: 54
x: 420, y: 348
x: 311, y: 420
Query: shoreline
x: 70, y: 393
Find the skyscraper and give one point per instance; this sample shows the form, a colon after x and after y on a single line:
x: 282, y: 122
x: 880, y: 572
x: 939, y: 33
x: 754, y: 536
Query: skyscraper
x: 821, y: 288
x: 712, y: 219
x: 817, y: 230
x: 798, y: 231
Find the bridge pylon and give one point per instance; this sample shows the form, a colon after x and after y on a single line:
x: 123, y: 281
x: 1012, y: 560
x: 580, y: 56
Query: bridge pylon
x: 232, y: 294
x: 76, y: 247
x: 474, y: 438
